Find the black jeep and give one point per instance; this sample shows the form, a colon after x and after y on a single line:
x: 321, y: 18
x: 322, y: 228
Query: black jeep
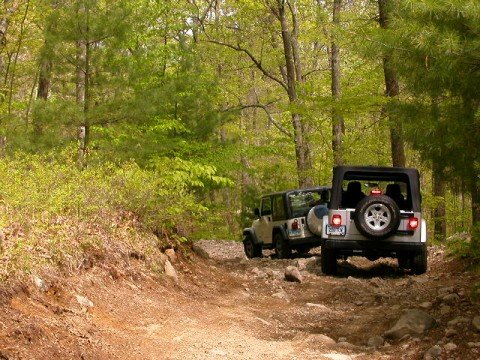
x: 375, y: 212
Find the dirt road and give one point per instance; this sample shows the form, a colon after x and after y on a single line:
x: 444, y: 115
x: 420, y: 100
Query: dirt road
x: 227, y: 307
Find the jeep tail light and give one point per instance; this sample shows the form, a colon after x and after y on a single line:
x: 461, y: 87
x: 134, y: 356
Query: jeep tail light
x: 295, y: 225
x: 376, y: 192
x: 413, y: 223
x: 337, y: 220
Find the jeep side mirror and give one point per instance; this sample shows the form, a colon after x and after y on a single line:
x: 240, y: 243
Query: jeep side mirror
x: 256, y: 212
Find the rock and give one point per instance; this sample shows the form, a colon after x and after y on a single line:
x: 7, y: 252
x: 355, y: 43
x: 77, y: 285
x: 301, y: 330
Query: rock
x: 200, y: 251
x: 445, y: 291
x: 376, y: 281
x: 84, y: 301
x: 458, y: 320
x: 450, y: 332
x: 413, y: 322
x: 293, y: 274
x: 359, y: 303
x: 259, y: 273
x: 170, y: 271
x: 426, y: 305
x: 274, y: 274
x: 433, y: 353
x: 376, y: 341
x: 323, y: 339
x: 172, y: 256
x: 281, y: 295
x: 309, y: 263
x: 317, y: 339
x: 40, y: 283
x: 476, y: 323
x: 450, y: 346
x: 445, y: 309
x: 318, y: 306
x: 450, y: 298
x: 473, y: 344
x: 342, y: 339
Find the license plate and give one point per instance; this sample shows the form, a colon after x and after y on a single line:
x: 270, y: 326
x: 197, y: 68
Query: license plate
x: 336, y: 230
x: 294, y: 232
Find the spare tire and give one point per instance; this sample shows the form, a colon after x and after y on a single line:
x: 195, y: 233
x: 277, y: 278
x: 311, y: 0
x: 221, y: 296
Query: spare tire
x: 377, y: 216
x: 315, y: 219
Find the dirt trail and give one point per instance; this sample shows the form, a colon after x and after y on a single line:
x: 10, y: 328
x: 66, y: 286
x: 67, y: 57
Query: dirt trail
x: 227, y: 307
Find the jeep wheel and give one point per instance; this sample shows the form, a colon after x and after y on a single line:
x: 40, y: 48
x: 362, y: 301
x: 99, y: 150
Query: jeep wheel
x: 252, y: 250
x: 419, y: 262
x: 282, y: 247
x: 329, y: 261
x: 377, y: 216
x: 404, y: 262
x: 303, y: 249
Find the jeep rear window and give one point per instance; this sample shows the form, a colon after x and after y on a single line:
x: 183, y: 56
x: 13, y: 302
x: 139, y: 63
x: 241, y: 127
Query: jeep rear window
x: 355, y: 186
x: 301, y: 202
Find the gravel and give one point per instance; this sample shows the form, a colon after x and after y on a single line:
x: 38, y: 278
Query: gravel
x: 222, y: 249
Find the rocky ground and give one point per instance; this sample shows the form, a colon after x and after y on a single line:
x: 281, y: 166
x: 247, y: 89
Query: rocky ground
x: 216, y: 304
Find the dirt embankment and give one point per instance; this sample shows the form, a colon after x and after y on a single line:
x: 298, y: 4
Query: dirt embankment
x: 227, y: 307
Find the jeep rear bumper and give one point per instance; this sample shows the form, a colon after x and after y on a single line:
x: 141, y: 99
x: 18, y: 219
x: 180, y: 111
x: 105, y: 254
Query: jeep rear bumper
x: 311, y: 240
x: 378, y: 247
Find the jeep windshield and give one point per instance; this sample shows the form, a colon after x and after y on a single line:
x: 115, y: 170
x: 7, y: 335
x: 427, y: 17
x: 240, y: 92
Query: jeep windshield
x: 302, y: 201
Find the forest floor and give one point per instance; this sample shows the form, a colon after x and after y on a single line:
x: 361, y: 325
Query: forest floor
x: 228, y: 307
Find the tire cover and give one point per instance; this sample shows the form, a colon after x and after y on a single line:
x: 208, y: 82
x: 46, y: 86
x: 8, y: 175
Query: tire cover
x: 315, y: 219
x: 387, y: 204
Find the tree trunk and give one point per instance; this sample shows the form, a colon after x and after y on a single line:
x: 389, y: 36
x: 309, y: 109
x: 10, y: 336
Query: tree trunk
x: 82, y: 85
x: 293, y: 73
x: 15, y: 57
x: 338, y: 124
x: 391, y: 90
x: 438, y: 213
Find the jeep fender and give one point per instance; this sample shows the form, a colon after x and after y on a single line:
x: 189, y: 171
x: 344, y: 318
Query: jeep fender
x: 281, y: 230
x: 250, y: 232
x: 423, y: 232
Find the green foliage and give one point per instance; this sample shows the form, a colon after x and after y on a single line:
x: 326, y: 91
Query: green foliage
x: 463, y: 246
x: 56, y: 213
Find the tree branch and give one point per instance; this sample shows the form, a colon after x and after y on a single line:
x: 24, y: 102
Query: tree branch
x: 269, y: 115
x: 257, y: 62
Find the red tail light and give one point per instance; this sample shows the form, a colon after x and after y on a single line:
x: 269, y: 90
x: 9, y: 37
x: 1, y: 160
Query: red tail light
x: 337, y: 220
x: 376, y: 192
x: 413, y: 223
x: 295, y: 225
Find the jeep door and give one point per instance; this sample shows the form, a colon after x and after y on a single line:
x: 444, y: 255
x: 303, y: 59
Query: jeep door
x: 264, y: 227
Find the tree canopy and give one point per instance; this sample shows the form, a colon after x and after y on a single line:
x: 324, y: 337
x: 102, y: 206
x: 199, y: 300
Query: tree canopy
x: 219, y: 100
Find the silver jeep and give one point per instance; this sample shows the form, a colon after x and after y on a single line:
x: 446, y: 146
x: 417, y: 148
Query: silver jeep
x: 282, y: 222
x: 375, y: 212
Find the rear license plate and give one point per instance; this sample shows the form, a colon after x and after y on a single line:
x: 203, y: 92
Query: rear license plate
x: 336, y: 230
x: 294, y: 232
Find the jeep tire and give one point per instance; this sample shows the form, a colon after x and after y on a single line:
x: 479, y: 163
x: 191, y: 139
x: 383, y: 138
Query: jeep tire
x: 419, y: 262
x: 329, y: 261
x: 377, y: 216
x: 404, y: 261
x: 282, y: 247
x: 251, y: 249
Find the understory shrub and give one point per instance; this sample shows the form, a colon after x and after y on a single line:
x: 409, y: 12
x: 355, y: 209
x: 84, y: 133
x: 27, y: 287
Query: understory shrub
x: 53, y: 214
